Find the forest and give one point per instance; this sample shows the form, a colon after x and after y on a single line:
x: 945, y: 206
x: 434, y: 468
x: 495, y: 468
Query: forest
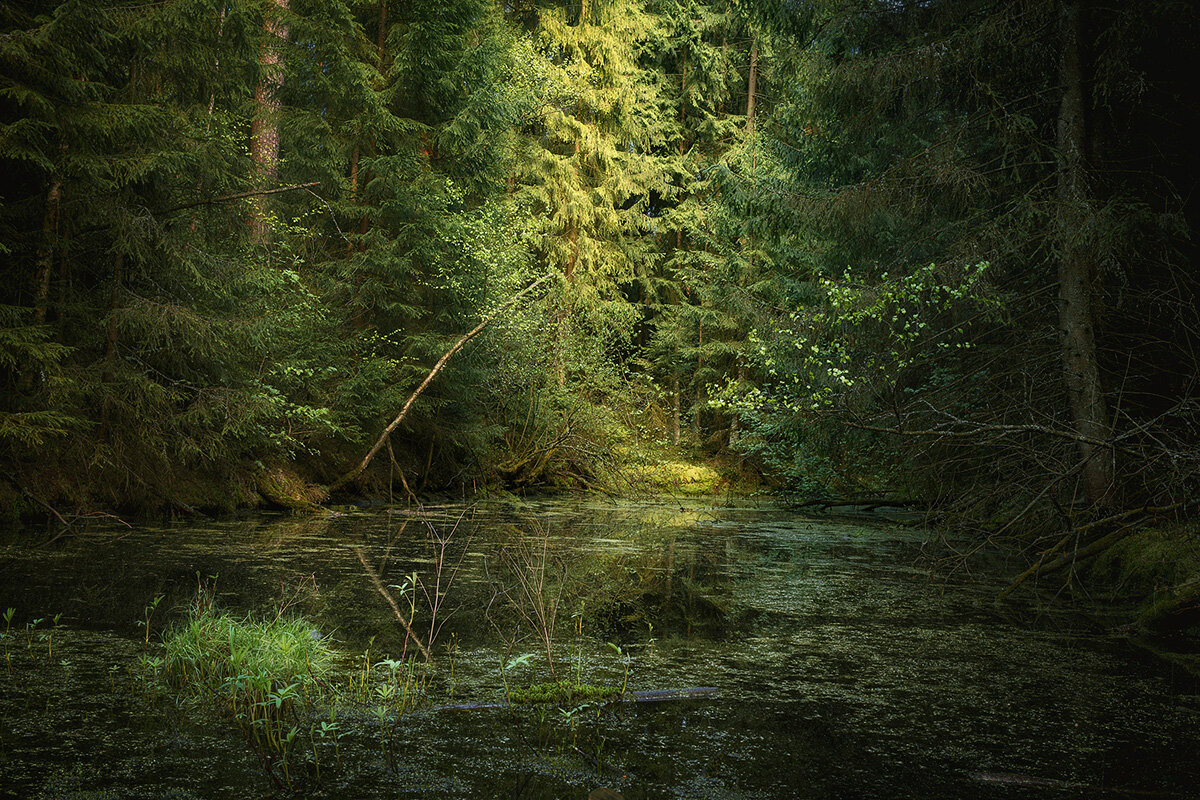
x: 938, y: 253
x: 628, y: 399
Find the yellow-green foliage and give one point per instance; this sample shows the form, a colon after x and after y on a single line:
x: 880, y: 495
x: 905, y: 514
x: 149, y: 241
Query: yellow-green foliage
x: 678, y: 476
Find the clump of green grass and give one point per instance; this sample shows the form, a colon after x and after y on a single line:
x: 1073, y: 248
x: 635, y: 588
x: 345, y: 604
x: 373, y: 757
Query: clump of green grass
x: 241, y: 662
x: 258, y: 673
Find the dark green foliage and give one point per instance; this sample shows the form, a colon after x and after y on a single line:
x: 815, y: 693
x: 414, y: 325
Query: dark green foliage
x: 925, y: 134
x: 823, y: 237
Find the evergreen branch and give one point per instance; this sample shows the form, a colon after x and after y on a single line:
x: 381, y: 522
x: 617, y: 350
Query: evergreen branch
x: 240, y: 195
x: 471, y: 334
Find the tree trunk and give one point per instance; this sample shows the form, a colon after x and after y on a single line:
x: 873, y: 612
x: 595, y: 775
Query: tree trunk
x: 1077, y: 267
x: 699, y: 386
x: 675, y: 411
x: 735, y: 421
x: 752, y: 85
x: 111, y: 330
x: 45, y: 252
x: 264, y: 128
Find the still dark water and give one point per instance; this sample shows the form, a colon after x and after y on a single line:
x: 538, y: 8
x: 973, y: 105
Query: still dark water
x: 841, y: 670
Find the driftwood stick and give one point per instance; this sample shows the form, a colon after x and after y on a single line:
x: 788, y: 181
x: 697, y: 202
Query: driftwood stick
x: 374, y: 576
x: 647, y: 696
x: 471, y: 334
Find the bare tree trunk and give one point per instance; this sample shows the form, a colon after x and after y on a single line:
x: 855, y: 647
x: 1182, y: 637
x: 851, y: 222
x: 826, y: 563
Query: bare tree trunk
x: 264, y: 128
x: 395, y: 423
x: 699, y: 387
x: 45, y: 252
x: 1077, y: 268
x: 564, y: 310
x: 752, y: 85
x: 675, y: 402
x: 111, y: 331
x: 735, y: 421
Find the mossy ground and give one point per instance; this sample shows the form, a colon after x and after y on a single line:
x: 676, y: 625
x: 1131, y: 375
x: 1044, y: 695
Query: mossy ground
x: 1156, y: 571
x: 1150, y: 563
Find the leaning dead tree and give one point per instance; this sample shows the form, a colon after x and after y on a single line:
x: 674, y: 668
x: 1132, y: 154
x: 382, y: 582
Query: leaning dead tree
x: 441, y: 363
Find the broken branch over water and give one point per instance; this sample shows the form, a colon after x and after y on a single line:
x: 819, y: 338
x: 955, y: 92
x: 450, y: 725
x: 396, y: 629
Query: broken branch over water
x: 471, y: 334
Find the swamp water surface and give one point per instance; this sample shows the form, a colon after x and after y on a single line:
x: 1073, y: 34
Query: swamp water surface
x: 839, y: 669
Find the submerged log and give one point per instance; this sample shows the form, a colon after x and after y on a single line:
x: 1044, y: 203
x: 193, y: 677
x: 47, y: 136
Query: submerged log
x: 645, y: 696
x: 1034, y: 782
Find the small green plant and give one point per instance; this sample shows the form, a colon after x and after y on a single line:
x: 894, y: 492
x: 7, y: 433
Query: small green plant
x: 50, y: 637
x: 508, y: 664
x: 30, y: 628
x: 147, y: 613
x: 624, y: 665
x: 324, y: 731
x: 8, y: 617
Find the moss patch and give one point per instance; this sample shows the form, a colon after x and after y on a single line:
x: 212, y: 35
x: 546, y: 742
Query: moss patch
x: 1150, y: 561
x: 1158, y: 569
x: 678, y: 476
x: 561, y: 692
x: 282, y: 486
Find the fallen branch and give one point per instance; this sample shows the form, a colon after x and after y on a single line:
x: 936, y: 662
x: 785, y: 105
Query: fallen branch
x: 646, y: 696
x: 374, y: 576
x: 1034, y: 782
x: 1101, y: 544
x: 471, y: 334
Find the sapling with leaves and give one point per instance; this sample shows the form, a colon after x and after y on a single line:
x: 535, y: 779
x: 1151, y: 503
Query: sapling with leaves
x: 147, y: 614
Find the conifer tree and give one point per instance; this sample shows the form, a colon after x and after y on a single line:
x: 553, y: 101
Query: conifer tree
x: 593, y: 165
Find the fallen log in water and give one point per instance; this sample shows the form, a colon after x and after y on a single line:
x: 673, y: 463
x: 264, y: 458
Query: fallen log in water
x: 1034, y: 782
x: 646, y: 696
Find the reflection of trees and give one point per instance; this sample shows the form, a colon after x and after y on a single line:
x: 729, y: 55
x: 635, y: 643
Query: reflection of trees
x: 663, y: 582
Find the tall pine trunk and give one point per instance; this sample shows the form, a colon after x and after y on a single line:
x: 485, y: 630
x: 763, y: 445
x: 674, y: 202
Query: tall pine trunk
x: 735, y: 428
x: 752, y: 85
x: 264, y: 128
x: 1077, y: 267
x: 45, y: 252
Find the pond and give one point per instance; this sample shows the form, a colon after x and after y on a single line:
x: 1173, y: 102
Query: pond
x: 819, y: 660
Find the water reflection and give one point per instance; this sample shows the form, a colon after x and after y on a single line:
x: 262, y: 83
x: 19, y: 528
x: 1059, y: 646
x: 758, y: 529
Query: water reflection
x: 842, y: 671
